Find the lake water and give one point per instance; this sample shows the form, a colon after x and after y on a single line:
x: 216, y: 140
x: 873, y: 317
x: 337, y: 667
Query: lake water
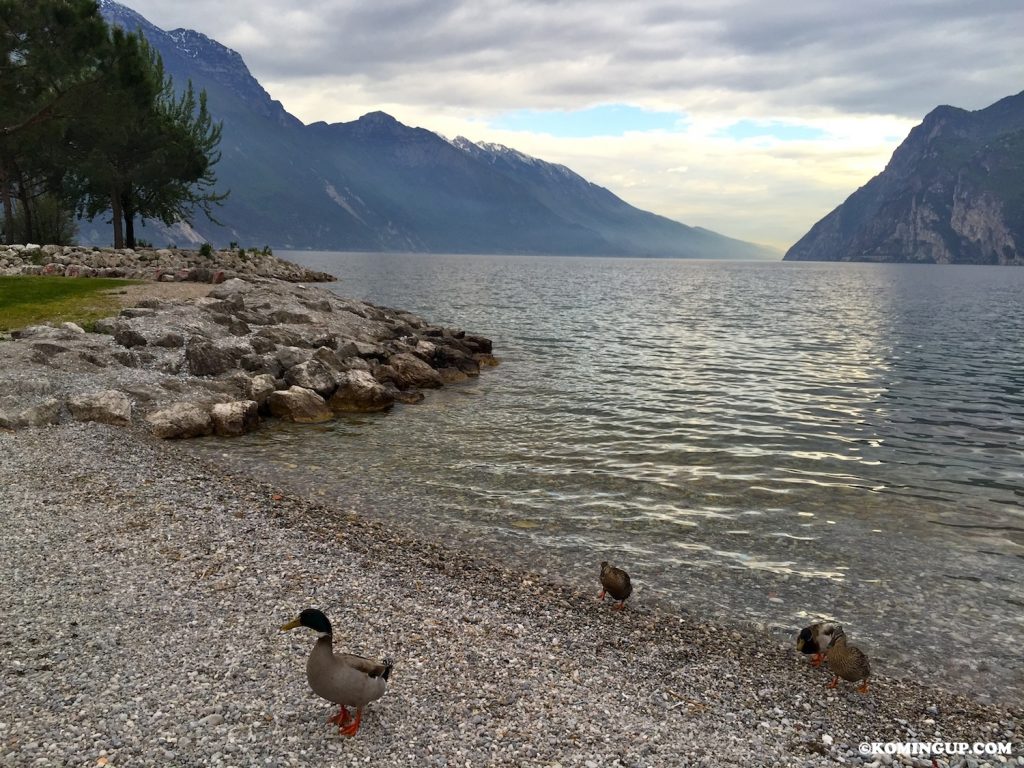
x: 762, y: 442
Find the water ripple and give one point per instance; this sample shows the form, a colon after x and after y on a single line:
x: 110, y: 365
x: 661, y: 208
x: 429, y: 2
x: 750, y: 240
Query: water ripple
x: 783, y: 440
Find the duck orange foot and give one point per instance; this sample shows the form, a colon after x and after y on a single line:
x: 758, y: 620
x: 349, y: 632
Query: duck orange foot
x: 351, y: 728
x: 341, y: 718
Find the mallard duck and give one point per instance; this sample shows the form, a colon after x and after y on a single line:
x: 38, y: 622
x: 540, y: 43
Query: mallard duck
x: 815, y: 639
x: 343, y: 678
x: 615, y: 582
x: 847, y: 662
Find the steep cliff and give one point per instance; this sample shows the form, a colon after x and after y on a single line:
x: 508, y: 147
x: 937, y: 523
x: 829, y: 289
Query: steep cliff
x: 953, y: 193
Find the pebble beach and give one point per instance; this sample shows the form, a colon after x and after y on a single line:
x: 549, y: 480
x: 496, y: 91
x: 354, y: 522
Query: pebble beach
x: 142, y: 588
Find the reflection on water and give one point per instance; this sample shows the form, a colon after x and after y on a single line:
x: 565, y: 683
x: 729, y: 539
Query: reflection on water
x: 769, y: 441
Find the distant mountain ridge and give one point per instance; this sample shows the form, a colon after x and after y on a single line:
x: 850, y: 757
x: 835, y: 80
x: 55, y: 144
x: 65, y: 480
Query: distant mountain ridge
x: 953, y: 193
x: 375, y: 184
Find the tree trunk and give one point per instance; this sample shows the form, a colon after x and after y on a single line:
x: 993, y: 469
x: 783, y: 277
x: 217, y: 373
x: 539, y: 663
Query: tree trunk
x: 26, y: 212
x: 128, y: 209
x: 116, y: 216
x: 5, y: 194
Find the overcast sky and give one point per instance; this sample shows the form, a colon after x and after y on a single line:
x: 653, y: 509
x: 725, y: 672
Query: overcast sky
x: 753, y: 118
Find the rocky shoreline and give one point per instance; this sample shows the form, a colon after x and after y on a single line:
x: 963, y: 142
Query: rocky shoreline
x: 161, y: 264
x: 252, y: 348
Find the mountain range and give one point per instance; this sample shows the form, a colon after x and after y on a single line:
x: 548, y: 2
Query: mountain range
x: 953, y: 193
x: 374, y: 184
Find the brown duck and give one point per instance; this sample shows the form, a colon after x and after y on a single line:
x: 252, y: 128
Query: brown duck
x: 345, y: 679
x: 815, y: 640
x: 847, y: 662
x: 615, y: 582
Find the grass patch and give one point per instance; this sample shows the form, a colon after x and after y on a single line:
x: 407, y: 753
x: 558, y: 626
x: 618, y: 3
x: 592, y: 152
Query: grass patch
x: 28, y: 300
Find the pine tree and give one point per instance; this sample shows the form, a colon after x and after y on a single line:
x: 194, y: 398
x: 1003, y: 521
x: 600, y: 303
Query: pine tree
x: 146, y: 153
x: 50, y: 66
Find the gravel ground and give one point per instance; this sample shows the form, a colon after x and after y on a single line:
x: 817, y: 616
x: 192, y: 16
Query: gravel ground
x: 142, y: 589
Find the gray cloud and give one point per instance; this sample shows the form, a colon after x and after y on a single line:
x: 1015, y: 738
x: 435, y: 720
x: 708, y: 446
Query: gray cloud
x: 868, y: 57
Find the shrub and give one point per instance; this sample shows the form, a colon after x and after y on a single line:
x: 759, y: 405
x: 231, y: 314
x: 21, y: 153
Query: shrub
x: 206, y: 250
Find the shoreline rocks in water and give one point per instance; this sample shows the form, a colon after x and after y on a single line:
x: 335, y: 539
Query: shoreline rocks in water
x: 213, y: 365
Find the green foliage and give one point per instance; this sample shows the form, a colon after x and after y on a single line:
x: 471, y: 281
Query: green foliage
x: 206, y: 250
x: 27, y: 300
x: 50, y: 53
x: 87, y: 115
x: 267, y: 251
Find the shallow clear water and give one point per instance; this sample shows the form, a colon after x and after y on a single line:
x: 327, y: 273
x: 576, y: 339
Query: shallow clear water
x: 767, y: 442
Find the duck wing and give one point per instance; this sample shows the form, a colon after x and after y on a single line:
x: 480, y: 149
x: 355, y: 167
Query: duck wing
x: 369, y: 667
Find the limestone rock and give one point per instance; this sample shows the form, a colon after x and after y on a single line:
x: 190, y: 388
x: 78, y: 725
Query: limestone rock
x: 127, y: 336
x: 299, y: 405
x: 261, y: 387
x: 411, y: 372
x: 359, y: 392
x: 181, y: 420
x: 205, y: 358
x: 235, y: 418
x: 289, y: 356
x: 314, y: 375
x: 38, y: 415
x: 107, y: 406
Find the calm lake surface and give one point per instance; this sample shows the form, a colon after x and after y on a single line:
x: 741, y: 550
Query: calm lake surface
x: 768, y: 443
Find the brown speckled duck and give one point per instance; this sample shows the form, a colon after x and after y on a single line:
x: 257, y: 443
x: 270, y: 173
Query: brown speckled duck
x: 343, y: 678
x: 847, y: 662
x: 815, y: 640
x: 615, y: 582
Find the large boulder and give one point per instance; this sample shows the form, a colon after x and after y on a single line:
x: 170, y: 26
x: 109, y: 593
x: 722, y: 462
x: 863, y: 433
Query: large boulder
x: 38, y: 415
x: 411, y: 372
x: 359, y: 392
x: 261, y: 388
x: 107, y: 407
x: 453, y: 357
x: 314, y: 375
x: 181, y: 420
x: 299, y: 405
x: 127, y: 336
x: 205, y: 358
x: 289, y: 357
x: 478, y: 344
x: 236, y: 418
